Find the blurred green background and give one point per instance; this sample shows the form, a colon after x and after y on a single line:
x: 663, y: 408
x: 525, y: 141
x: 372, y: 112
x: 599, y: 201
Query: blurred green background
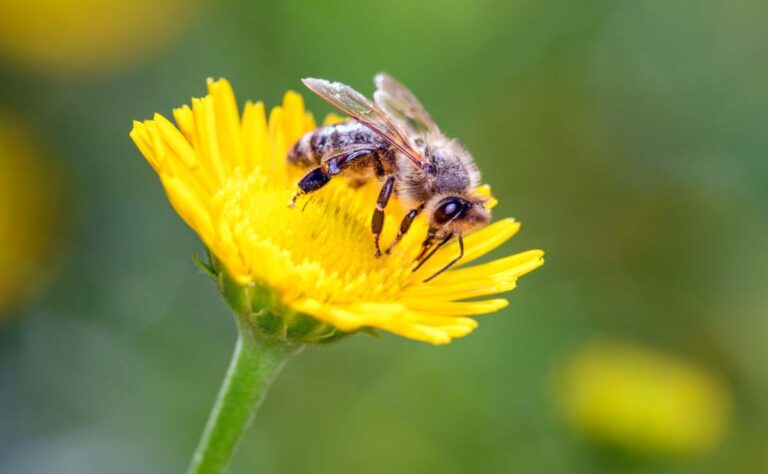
x: 629, y: 137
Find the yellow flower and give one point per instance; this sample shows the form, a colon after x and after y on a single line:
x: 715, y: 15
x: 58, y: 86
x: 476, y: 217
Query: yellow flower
x: 86, y: 36
x: 30, y: 210
x: 226, y: 175
x: 642, y: 400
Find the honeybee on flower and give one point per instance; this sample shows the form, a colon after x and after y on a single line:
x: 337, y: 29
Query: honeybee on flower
x: 395, y: 140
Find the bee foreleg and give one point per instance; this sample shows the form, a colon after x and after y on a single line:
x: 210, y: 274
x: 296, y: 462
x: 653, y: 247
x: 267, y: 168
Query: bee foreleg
x: 377, y: 222
x: 452, y: 262
x: 405, y: 224
x: 426, y: 246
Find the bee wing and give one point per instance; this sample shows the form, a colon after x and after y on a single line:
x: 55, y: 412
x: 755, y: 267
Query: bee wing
x: 364, y: 111
x: 400, y: 103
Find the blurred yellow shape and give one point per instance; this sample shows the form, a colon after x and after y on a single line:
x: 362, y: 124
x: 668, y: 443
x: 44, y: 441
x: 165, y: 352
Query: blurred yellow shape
x: 83, y: 36
x: 30, y: 205
x: 642, y: 400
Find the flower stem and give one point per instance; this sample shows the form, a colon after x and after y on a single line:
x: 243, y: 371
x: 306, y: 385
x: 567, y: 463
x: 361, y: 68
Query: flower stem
x: 254, y: 365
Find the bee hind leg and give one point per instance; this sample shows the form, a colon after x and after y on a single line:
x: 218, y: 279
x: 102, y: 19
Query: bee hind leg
x: 312, y: 181
x: 377, y: 221
x: 320, y: 176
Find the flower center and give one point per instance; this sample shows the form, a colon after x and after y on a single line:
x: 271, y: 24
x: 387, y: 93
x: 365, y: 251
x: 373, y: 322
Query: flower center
x: 324, y: 246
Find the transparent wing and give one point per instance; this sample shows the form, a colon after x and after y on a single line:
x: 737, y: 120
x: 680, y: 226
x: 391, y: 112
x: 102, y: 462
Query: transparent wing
x: 400, y: 103
x: 364, y: 111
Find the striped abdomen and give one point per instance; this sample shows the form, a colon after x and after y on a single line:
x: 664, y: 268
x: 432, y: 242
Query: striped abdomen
x: 316, y: 146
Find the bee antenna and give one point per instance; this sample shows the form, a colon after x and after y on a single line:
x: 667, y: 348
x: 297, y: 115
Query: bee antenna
x: 452, y: 262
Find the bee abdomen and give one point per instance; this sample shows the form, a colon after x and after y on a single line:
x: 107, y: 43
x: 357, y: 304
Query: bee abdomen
x: 313, y: 146
x: 304, y: 152
x: 310, y: 150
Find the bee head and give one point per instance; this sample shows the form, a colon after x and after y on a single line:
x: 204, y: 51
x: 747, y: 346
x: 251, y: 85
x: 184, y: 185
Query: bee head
x: 457, y: 215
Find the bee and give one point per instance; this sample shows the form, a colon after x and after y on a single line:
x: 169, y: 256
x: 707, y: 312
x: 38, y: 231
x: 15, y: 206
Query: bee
x: 395, y: 140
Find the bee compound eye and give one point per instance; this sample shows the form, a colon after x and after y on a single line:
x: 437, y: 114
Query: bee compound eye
x: 448, y: 210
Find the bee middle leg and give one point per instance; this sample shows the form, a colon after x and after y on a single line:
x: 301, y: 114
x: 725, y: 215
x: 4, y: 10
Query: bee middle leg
x: 377, y: 221
x: 405, y: 224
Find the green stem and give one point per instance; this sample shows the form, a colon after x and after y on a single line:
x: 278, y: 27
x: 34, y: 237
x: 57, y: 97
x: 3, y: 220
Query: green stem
x: 254, y: 365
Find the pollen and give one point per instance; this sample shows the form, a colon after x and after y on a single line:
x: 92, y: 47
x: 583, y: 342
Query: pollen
x: 226, y: 175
